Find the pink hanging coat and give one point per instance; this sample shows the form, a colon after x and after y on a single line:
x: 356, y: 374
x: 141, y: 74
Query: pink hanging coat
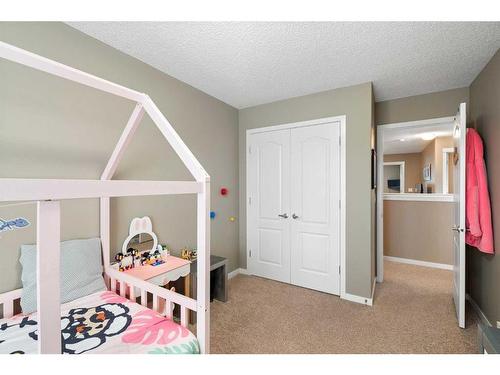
x: 477, y: 199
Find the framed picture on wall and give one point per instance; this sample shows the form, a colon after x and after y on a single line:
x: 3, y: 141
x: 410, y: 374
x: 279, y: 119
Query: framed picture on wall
x: 427, y: 172
x: 374, y: 169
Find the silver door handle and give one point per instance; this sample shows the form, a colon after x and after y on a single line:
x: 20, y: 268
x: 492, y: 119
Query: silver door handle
x: 457, y: 229
x: 294, y: 216
x: 284, y: 216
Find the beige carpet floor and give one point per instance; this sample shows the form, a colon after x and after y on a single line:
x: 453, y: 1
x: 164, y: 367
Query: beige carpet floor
x: 413, y: 313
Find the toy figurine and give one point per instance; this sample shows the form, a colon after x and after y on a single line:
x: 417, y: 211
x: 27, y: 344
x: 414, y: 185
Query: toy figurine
x: 188, y: 254
x: 134, y: 255
x: 152, y: 258
x: 137, y: 259
x: 185, y: 253
x: 144, y: 258
x: 126, y: 261
x: 164, y: 251
x: 119, y: 258
x: 156, y: 258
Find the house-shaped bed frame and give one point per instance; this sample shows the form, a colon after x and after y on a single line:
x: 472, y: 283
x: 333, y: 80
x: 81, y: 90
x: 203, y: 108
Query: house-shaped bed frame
x: 48, y: 193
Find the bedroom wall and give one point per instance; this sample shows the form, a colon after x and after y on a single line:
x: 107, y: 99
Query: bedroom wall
x: 52, y: 128
x: 413, y: 230
x: 356, y: 103
x: 421, y: 107
x: 483, y: 271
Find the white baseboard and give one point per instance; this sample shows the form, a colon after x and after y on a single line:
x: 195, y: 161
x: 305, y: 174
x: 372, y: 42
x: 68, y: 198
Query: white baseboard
x: 422, y: 263
x: 478, y: 310
x: 346, y: 296
x: 359, y: 299
x: 236, y: 272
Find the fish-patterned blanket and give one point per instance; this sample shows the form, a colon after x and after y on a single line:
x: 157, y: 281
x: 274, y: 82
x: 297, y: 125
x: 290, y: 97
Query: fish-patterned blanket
x: 102, y: 322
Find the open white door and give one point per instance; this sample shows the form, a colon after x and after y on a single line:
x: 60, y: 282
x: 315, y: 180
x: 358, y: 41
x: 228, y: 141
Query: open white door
x: 459, y: 136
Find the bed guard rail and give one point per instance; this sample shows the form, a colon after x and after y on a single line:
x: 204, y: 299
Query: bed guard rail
x: 164, y: 300
x: 8, y: 301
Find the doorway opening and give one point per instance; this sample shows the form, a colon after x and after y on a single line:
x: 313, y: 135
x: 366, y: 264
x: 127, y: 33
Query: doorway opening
x: 421, y: 198
x: 394, y: 176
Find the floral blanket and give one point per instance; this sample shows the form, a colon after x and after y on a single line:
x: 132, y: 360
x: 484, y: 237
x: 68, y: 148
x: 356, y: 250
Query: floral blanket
x: 102, y: 322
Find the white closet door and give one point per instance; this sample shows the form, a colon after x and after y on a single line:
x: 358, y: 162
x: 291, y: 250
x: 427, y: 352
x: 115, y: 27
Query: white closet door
x: 315, y: 222
x: 269, y: 206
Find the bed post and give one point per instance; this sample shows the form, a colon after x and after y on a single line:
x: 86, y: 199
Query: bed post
x: 123, y: 142
x: 203, y: 271
x: 48, y: 237
x: 125, y: 139
x: 104, y: 209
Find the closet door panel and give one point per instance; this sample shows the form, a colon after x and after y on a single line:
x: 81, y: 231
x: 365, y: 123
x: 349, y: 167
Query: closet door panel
x: 313, y: 159
x: 269, y: 193
x: 315, y: 193
x: 314, y: 252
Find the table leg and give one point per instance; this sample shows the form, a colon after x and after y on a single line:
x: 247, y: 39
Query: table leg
x: 187, y: 285
x: 224, y: 282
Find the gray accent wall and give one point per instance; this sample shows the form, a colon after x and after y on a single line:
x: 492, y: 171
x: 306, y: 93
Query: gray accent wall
x: 356, y: 103
x: 421, y: 107
x: 53, y: 128
x: 419, y: 230
x: 483, y: 270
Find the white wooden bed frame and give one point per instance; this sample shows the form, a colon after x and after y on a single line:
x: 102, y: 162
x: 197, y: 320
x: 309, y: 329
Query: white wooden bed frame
x: 48, y: 193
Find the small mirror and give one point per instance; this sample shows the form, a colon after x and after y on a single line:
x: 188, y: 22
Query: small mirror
x: 141, y: 239
x: 141, y: 242
x: 140, y: 236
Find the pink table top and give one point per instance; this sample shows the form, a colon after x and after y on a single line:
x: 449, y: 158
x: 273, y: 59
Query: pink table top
x: 147, y: 271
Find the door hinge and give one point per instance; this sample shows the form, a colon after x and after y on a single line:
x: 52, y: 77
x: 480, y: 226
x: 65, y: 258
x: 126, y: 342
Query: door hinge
x: 249, y: 253
x: 340, y: 204
x: 249, y: 200
x: 249, y: 149
x: 340, y: 141
x: 339, y: 270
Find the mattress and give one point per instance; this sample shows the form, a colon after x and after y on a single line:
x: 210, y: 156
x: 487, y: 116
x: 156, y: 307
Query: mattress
x: 105, y: 323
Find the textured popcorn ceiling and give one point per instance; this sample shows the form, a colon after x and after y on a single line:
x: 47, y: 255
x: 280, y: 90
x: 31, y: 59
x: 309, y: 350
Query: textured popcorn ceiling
x: 250, y: 63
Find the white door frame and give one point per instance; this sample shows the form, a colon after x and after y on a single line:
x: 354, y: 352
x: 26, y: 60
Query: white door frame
x: 342, y: 122
x: 380, y: 180
x: 401, y: 173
